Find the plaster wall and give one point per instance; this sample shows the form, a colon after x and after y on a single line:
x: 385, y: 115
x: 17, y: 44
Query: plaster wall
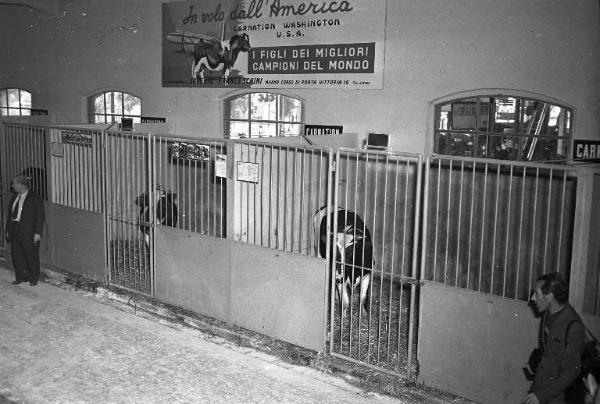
x: 433, y: 49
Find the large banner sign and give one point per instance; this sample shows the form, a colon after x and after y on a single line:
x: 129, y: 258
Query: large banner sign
x: 274, y: 43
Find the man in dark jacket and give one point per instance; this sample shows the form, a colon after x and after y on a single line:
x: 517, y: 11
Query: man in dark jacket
x: 25, y: 221
x: 562, y: 336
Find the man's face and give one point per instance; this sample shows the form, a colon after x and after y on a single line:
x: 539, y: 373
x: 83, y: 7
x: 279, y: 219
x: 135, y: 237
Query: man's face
x: 20, y: 188
x: 542, y: 301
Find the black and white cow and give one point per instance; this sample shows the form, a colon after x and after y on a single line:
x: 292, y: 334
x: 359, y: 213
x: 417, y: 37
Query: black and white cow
x: 165, y: 210
x: 352, y: 249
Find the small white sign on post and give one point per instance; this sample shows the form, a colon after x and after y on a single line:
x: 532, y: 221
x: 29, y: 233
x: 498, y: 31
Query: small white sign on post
x: 247, y: 171
x: 221, y: 165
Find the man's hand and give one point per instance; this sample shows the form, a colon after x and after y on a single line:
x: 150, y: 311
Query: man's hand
x: 37, y: 238
x: 530, y: 399
x: 591, y: 386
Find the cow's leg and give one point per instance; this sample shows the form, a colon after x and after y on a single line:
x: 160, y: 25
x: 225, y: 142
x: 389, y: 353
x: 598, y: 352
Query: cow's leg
x: 194, y: 71
x: 364, y: 290
x: 345, y: 286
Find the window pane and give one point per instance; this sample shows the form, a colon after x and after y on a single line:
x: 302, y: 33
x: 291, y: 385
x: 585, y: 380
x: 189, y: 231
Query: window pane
x: 519, y: 129
x: 3, y: 111
x: 3, y: 100
x: 291, y: 109
x: 26, y: 112
x: 14, y: 111
x: 264, y: 107
x: 117, y: 103
x: 289, y: 129
x: 239, y: 107
x: 13, y: 98
x: 133, y: 106
x: 25, y: 100
x: 108, y: 103
x: 263, y: 129
x: 239, y: 130
x: 99, y: 104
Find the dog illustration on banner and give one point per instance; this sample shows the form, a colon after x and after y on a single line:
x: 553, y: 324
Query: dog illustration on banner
x: 352, y: 250
x: 210, y: 53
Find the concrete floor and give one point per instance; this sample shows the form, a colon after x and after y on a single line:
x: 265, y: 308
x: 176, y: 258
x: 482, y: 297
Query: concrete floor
x: 64, y: 346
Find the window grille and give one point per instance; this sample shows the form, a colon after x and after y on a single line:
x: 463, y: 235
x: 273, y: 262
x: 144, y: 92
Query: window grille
x: 263, y: 114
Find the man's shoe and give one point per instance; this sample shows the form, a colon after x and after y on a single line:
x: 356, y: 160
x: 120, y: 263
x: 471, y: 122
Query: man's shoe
x: 32, y: 283
x: 16, y: 282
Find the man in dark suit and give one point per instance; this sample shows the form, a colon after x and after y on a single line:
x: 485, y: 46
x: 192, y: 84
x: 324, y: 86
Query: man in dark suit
x: 25, y: 221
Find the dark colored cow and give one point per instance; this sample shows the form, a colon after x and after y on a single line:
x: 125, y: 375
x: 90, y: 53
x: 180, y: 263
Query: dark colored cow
x: 352, y: 249
x: 165, y: 208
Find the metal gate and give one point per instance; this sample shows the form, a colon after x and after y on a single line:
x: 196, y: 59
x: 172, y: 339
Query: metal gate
x: 373, y: 239
x: 495, y: 226
x: 129, y: 205
x: 27, y: 156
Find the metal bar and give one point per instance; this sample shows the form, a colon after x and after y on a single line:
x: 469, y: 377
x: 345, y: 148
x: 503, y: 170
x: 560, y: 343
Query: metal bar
x: 329, y: 259
x: 448, y: 209
x: 393, y: 257
x: 508, y: 220
x: 247, y: 194
x: 277, y: 195
x: 152, y: 185
x: 425, y: 222
x: 520, y: 238
x: 385, y: 186
x: 413, y: 312
x: 482, y: 227
x: 548, y: 206
x: 329, y: 293
x: 437, y: 214
x: 355, y: 210
x: 254, y: 201
x: 458, y: 227
x: 270, y: 192
x: 343, y: 259
x: 301, y: 210
x: 537, y: 176
x: 562, y: 217
x: 495, y: 229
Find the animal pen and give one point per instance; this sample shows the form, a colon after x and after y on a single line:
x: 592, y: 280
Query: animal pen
x: 263, y: 234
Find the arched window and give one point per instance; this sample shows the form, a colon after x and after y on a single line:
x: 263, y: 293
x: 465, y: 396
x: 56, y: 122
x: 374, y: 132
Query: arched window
x: 263, y: 114
x: 112, y: 106
x: 503, y: 127
x: 15, y: 102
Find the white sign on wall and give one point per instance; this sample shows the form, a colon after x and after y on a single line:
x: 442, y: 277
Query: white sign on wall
x: 247, y: 171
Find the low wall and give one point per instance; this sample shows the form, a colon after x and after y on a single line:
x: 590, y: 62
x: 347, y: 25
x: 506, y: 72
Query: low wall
x: 474, y: 345
x: 278, y: 294
x: 74, y: 241
x: 193, y: 271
